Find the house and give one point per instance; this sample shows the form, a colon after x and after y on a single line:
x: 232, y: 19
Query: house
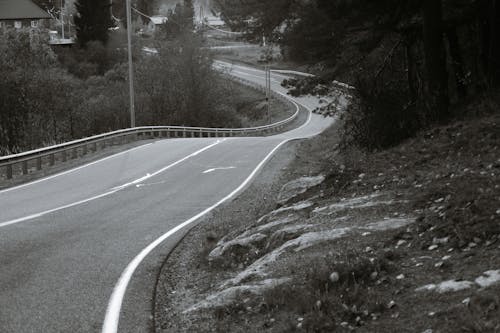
x: 21, y: 14
x: 155, y: 22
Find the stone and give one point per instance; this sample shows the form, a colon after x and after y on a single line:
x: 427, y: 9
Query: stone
x: 334, y: 277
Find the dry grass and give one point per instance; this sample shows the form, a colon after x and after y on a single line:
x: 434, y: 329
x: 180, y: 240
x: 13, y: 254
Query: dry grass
x: 450, y: 177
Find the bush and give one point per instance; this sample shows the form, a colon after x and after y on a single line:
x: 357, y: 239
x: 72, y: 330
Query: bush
x: 379, y: 117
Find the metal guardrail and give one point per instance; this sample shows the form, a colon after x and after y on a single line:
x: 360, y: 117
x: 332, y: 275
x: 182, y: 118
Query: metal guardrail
x: 76, y: 148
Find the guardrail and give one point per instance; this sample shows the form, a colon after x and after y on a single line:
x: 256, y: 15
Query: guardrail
x: 74, y: 149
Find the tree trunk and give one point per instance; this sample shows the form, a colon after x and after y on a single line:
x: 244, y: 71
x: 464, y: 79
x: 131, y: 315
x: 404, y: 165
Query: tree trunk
x: 435, y: 61
x: 457, y: 61
x: 494, y: 43
x: 411, y: 73
x: 484, y: 28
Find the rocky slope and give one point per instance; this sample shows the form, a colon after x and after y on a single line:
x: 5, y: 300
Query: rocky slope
x: 406, y: 239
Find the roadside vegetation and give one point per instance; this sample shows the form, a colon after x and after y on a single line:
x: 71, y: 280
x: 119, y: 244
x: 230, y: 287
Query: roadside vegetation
x: 387, y: 222
x: 49, y: 95
x: 404, y: 239
x: 414, y: 63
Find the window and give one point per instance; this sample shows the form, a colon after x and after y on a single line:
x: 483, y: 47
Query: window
x: 34, y: 24
x: 18, y: 24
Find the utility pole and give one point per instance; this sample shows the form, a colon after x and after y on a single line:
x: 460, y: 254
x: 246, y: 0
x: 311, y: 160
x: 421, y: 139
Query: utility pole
x: 268, y: 92
x: 130, y: 66
x: 61, y: 17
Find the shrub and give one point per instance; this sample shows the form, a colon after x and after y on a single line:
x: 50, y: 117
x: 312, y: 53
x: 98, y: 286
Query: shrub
x: 379, y: 117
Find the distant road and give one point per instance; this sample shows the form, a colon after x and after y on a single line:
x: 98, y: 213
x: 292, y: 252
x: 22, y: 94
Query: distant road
x: 66, y: 240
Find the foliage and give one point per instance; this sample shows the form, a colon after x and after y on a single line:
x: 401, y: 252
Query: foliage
x: 120, y: 11
x: 379, y: 118
x: 92, y: 21
x: 256, y: 17
x: 198, y: 97
x: 95, y: 59
x: 421, y: 57
x: 48, y: 97
x: 179, y: 21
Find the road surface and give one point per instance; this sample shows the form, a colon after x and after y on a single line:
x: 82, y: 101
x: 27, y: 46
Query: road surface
x: 68, y: 242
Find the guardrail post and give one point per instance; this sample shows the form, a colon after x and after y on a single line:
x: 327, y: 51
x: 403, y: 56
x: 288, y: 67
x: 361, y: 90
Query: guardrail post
x: 63, y: 155
x: 39, y: 163
x: 52, y: 159
x: 184, y: 133
x: 95, y: 147
x: 84, y: 150
x: 9, y: 171
x: 25, y: 167
x: 74, y: 153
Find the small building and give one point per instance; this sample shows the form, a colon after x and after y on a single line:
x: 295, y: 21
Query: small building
x: 21, y: 14
x: 55, y: 39
x: 155, y: 22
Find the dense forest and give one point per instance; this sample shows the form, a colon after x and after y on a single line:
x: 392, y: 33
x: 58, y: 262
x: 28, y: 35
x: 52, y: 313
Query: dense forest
x: 411, y: 61
x: 51, y: 95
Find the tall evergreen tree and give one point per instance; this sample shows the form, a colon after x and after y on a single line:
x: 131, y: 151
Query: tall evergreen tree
x: 92, y: 21
x: 435, y: 59
x: 180, y: 20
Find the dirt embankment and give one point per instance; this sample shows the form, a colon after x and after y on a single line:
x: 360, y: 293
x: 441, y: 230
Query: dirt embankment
x: 404, y: 240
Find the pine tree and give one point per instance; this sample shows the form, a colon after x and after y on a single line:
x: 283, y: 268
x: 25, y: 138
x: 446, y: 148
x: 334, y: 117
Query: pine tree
x: 188, y: 15
x: 92, y: 21
x: 435, y: 60
x: 180, y: 21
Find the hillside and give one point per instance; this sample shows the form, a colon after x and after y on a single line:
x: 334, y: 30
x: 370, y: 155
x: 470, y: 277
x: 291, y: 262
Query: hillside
x: 405, y: 239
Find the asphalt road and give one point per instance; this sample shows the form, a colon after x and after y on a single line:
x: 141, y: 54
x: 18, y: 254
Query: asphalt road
x: 67, y: 241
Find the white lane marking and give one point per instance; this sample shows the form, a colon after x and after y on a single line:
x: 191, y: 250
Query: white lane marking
x: 112, y: 191
x: 146, y: 177
x: 252, y: 75
x: 73, y: 170
x: 215, y: 169
x: 112, y: 317
x: 34, y: 216
x: 276, y: 72
x: 151, y: 184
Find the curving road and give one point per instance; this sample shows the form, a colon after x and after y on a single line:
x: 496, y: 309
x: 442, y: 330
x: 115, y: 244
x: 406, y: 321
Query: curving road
x: 79, y: 251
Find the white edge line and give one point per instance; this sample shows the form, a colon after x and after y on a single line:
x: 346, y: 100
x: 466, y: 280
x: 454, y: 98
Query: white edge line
x: 112, y: 191
x: 276, y: 72
x: 253, y: 75
x: 34, y: 216
x: 112, y: 317
x: 73, y: 170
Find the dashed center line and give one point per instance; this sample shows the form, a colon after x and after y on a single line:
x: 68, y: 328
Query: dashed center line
x: 221, y: 168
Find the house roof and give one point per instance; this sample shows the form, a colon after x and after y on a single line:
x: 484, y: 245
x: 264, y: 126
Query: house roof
x: 21, y: 10
x: 157, y: 19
